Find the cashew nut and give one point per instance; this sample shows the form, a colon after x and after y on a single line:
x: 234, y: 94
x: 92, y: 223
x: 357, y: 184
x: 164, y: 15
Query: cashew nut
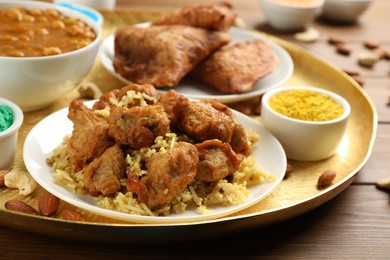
x: 89, y: 90
x: 20, y: 180
x: 310, y: 35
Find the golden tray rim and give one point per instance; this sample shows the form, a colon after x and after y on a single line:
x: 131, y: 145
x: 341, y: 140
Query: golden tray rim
x: 148, y: 233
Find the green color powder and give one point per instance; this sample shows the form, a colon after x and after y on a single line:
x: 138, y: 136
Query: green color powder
x: 6, y: 118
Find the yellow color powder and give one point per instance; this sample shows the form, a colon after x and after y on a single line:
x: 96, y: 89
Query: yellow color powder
x: 305, y: 105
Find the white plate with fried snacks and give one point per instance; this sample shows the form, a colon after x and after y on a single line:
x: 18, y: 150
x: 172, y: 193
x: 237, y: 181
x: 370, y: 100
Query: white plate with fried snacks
x: 193, y: 89
x: 49, y: 133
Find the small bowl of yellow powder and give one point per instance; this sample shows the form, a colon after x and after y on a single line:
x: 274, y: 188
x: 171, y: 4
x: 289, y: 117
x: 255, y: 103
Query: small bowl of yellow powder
x: 11, y: 119
x: 309, y: 122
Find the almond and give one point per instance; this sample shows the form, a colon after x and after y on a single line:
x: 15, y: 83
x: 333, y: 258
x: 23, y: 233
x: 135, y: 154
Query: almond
x: 20, y: 206
x: 48, y: 204
x: 371, y: 44
x: 289, y: 170
x: 2, y: 174
x: 71, y: 214
x: 335, y: 40
x: 343, y: 48
x: 326, y: 179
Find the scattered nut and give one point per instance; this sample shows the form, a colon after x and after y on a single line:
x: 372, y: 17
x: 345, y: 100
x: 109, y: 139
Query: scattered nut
x: 371, y: 44
x: 383, y: 184
x: 89, y: 90
x: 289, y: 170
x: 351, y: 72
x: 386, y: 54
x: 335, y: 40
x: 257, y: 108
x: 71, y: 214
x: 326, y: 179
x: 310, y: 35
x: 243, y: 107
x: 48, y: 204
x: 2, y: 174
x: 20, y: 206
x: 20, y: 180
x: 343, y: 48
x: 367, y: 59
x: 379, y: 52
x: 358, y: 79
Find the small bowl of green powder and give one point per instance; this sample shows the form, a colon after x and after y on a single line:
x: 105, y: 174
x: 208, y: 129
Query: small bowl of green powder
x: 309, y: 122
x: 11, y: 119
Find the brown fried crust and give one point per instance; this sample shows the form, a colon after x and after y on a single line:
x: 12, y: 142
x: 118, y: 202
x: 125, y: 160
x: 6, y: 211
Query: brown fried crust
x: 236, y: 68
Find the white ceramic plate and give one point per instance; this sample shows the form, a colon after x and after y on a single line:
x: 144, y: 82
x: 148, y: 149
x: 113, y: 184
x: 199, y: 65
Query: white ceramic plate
x: 194, y: 89
x: 49, y: 133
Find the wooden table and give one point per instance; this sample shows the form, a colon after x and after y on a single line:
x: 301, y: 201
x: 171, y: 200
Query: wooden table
x: 354, y: 225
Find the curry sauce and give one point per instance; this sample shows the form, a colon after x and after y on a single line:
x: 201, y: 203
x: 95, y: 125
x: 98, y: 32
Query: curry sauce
x: 35, y: 32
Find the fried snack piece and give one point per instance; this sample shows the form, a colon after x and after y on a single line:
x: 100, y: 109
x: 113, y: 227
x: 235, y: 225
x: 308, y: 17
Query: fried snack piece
x: 217, y: 160
x: 138, y: 126
x: 163, y: 55
x: 218, y: 17
x: 103, y: 174
x: 168, y: 175
x: 89, y: 137
x: 235, y: 69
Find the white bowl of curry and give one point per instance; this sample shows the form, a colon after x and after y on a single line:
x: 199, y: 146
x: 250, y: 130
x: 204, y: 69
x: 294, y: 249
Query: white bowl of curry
x: 45, y: 51
x: 309, y: 122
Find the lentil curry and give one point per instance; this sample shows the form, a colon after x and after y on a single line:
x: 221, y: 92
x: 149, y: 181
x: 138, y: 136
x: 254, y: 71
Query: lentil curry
x: 35, y: 32
x: 306, y: 105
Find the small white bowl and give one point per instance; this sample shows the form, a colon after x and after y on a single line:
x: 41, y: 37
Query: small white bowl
x: 344, y: 11
x: 97, y: 4
x: 35, y: 82
x: 9, y: 137
x: 286, y: 15
x: 305, y: 140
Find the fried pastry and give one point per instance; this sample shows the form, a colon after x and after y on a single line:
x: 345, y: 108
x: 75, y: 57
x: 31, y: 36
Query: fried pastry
x: 213, y: 16
x: 163, y: 55
x: 235, y: 69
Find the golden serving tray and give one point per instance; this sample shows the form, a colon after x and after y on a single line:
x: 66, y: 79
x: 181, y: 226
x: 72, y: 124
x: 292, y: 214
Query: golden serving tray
x: 294, y: 196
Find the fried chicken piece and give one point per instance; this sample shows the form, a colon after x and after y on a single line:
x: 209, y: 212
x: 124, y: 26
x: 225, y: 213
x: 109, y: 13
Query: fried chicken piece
x: 168, y: 175
x: 209, y: 16
x: 239, y: 141
x: 138, y: 126
x: 103, y: 174
x: 117, y: 94
x: 89, y: 137
x: 235, y: 69
x: 173, y: 102
x: 201, y: 121
x: 217, y: 160
x: 163, y: 55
